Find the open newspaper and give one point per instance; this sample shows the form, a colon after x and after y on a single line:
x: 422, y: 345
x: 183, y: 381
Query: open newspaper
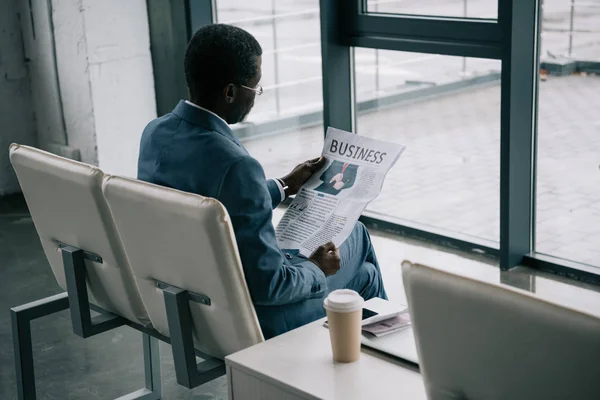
x: 328, y: 205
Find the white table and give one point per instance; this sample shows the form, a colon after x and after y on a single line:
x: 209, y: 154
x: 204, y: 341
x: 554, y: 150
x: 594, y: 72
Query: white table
x: 298, y: 365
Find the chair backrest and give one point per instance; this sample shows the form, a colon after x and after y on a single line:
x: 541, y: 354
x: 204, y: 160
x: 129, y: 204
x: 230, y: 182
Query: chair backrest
x: 66, y: 205
x: 186, y: 241
x: 483, y: 341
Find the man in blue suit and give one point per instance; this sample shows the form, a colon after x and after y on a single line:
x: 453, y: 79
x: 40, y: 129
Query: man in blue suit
x: 194, y: 150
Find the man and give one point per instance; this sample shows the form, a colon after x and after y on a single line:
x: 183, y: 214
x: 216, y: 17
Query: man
x: 194, y: 150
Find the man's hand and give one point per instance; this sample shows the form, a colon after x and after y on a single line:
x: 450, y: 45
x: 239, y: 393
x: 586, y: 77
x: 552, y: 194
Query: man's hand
x: 327, y: 258
x: 299, y: 175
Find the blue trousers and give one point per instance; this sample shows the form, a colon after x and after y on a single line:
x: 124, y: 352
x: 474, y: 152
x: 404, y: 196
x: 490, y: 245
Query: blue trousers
x: 359, y: 271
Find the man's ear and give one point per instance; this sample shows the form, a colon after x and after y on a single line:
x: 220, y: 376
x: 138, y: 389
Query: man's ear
x: 229, y: 93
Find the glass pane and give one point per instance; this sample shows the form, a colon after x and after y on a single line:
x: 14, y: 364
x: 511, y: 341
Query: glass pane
x: 280, y: 153
x: 440, y: 8
x: 289, y: 33
x: 568, y: 169
x: 446, y: 110
x: 570, y: 30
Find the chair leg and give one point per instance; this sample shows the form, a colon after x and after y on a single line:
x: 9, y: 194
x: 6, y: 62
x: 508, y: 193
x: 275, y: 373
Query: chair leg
x: 152, y: 366
x: 153, y: 389
x: 75, y: 274
x: 23, y: 357
x: 21, y: 318
x: 188, y: 373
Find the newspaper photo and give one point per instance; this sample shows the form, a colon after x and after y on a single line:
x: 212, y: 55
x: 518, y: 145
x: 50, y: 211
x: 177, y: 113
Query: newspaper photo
x: 329, y: 204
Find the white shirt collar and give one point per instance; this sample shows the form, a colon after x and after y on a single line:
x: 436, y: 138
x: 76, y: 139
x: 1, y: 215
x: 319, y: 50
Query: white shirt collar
x: 204, y: 109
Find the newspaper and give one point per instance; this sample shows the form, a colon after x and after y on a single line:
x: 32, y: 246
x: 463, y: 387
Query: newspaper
x: 328, y: 205
x: 388, y: 326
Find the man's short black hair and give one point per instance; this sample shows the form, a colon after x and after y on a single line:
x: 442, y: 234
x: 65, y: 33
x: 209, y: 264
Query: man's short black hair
x: 218, y: 55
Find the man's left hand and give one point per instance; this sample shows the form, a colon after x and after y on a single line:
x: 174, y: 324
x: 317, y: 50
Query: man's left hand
x: 299, y: 175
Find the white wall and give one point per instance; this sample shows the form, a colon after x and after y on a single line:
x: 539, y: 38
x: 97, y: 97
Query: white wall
x: 91, y: 71
x: 121, y: 78
x: 16, y: 111
x: 36, y: 28
x: 74, y: 78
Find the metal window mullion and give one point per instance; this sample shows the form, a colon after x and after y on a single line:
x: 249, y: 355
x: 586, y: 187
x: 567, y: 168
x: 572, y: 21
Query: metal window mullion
x: 337, y: 65
x: 363, y: 6
x: 519, y: 22
x: 566, y: 268
x: 428, y: 46
x: 200, y: 13
x: 171, y: 23
x: 538, y: 36
x: 456, y: 29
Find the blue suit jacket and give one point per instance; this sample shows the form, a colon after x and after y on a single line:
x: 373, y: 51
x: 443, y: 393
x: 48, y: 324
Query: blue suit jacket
x: 193, y: 150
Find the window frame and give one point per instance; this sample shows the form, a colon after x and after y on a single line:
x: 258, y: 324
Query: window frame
x: 515, y: 33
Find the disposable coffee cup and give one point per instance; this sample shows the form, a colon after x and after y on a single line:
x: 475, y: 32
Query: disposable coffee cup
x: 344, y: 316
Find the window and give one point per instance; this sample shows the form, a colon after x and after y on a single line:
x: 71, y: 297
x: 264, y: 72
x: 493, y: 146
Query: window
x: 570, y: 30
x: 285, y: 126
x: 568, y: 163
x: 289, y: 33
x: 443, y: 8
x: 446, y: 110
x: 279, y: 154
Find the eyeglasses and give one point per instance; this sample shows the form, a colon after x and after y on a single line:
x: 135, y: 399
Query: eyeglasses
x: 258, y: 89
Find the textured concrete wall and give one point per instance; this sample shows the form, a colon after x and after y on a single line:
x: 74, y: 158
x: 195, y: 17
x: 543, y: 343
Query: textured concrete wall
x: 16, y: 111
x: 91, y: 71
x: 72, y: 67
x: 121, y: 79
x: 106, y: 80
x: 38, y: 40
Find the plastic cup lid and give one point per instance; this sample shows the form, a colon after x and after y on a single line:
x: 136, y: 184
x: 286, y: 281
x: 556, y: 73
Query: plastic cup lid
x: 343, y: 300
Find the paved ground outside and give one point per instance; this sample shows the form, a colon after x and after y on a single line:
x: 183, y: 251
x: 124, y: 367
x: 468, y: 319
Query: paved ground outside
x: 449, y: 175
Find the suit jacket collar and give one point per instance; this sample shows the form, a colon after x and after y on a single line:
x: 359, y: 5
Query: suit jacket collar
x: 204, y: 119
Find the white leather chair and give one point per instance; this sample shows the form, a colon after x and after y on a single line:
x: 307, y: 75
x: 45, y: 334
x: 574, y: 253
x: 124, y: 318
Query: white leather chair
x: 185, y: 241
x: 482, y: 341
x: 67, y: 206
